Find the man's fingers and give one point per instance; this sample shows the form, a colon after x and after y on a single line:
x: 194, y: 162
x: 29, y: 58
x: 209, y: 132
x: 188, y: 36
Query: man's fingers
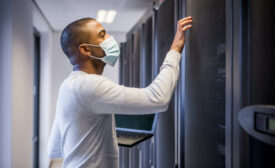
x: 186, y: 28
x: 185, y: 25
x: 186, y: 22
x: 186, y: 18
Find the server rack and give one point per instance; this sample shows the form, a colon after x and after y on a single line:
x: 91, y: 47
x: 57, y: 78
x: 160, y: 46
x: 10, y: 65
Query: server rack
x: 237, y: 71
x: 205, y: 85
x: 147, y: 150
x: 261, y: 71
x: 158, y: 26
x: 252, y: 77
x: 180, y: 12
x: 122, y: 64
x: 138, y: 55
x: 163, y: 37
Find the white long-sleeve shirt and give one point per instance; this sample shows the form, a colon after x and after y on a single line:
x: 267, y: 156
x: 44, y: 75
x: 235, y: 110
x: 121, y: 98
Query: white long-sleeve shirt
x: 83, y: 132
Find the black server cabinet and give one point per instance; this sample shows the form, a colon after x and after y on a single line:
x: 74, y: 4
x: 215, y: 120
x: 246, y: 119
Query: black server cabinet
x: 135, y: 61
x: 146, y: 54
x: 180, y: 95
x: 136, y: 71
x: 146, y: 57
x: 253, y: 63
x: 126, y: 63
x: 165, y: 130
x: 262, y: 72
x: 122, y: 64
x: 205, y: 85
x: 132, y: 70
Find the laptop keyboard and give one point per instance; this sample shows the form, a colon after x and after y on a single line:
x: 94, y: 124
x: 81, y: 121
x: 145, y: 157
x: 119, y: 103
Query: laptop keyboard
x: 125, y: 138
x: 132, y: 135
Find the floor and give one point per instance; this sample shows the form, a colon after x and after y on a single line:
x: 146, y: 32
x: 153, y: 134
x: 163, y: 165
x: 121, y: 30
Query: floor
x: 56, y: 163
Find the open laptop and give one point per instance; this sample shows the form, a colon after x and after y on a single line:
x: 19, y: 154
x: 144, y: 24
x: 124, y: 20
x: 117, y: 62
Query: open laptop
x: 133, y: 129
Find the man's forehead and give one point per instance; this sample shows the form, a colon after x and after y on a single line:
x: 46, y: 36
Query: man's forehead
x: 95, y: 26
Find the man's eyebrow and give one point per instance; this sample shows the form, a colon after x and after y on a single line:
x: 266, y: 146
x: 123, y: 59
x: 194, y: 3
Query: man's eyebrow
x: 103, y: 30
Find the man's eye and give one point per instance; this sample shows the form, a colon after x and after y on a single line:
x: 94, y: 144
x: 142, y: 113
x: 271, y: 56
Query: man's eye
x: 102, y: 35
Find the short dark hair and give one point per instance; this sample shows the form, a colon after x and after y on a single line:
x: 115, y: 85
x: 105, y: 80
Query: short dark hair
x: 71, y: 36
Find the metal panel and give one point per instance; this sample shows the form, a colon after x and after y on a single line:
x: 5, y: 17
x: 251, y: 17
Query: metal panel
x: 239, y: 85
x: 145, y: 148
x: 134, y: 152
x: 228, y: 91
x: 180, y: 95
x: 205, y: 85
x: 138, y: 66
x: 154, y: 74
x: 165, y: 132
x: 136, y: 55
x: 252, y: 80
x: 146, y: 56
x: 122, y: 63
x: 261, y: 71
x: 126, y: 58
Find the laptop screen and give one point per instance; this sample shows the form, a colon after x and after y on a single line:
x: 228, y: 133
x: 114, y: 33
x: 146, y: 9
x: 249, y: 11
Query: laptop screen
x: 137, y: 72
x: 138, y: 122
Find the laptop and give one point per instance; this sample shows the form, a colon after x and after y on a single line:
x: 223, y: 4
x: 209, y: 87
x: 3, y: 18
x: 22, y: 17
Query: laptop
x: 134, y: 129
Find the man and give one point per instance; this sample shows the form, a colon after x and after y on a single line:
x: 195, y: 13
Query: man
x: 83, y: 132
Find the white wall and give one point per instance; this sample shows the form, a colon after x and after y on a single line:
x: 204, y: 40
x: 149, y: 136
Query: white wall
x: 22, y: 84
x: 16, y: 83
x: 45, y: 84
x: 5, y: 83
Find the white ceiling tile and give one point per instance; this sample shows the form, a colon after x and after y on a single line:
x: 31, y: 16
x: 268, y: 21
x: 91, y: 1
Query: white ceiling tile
x: 62, y: 12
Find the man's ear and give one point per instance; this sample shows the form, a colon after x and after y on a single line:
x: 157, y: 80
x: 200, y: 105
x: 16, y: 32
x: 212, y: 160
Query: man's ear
x: 84, y: 49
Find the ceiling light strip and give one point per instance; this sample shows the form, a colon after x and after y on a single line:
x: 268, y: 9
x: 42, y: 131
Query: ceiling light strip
x: 104, y: 16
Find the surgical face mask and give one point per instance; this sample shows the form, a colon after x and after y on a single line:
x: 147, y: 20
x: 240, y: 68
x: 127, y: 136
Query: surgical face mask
x: 111, y: 49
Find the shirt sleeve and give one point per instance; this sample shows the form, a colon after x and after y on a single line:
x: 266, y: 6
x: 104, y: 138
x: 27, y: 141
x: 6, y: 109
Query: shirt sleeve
x: 54, y: 142
x: 104, y: 96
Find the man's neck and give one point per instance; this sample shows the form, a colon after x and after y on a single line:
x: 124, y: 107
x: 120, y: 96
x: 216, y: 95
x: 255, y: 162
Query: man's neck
x: 89, y: 68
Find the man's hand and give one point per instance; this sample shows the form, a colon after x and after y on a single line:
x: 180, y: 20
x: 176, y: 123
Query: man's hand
x: 179, y: 40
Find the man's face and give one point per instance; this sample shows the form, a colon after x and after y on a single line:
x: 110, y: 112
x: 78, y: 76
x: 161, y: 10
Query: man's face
x: 97, y: 35
x: 97, y: 32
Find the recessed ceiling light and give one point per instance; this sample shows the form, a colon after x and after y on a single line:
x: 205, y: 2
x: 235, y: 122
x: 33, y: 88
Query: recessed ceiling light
x: 111, y: 14
x: 101, y: 15
x: 104, y: 16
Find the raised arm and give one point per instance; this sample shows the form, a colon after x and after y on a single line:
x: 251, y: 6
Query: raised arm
x: 101, y: 95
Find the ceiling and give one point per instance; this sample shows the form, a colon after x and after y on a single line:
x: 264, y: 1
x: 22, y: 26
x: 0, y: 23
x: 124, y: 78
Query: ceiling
x: 60, y: 13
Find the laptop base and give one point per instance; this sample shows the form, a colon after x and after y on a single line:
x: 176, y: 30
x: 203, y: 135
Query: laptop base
x: 130, y: 139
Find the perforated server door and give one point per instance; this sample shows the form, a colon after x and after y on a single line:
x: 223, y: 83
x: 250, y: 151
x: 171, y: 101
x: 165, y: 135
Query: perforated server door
x: 146, y: 56
x: 205, y: 85
x: 136, y: 59
x: 126, y: 63
x: 122, y: 63
x: 165, y: 132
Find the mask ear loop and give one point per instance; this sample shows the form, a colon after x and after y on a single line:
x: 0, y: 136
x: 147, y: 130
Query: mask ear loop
x: 92, y: 45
